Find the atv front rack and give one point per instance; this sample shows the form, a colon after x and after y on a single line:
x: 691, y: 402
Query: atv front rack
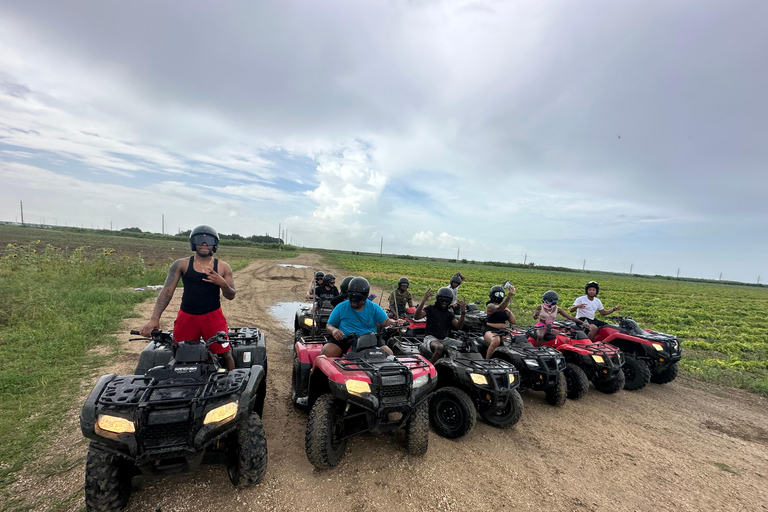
x: 314, y: 339
x: 413, y: 362
x: 133, y: 390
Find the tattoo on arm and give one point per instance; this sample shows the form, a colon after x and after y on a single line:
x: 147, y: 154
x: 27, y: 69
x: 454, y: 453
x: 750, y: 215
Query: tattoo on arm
x: 172, y: 278
x: 162, y: 302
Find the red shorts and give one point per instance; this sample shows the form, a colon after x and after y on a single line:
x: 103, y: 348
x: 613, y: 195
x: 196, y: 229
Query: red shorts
x: 193, y: 327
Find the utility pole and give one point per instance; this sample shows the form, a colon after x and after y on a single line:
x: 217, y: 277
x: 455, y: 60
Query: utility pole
x: 758, y: 279
x: 110, y: 225
x: 162, y: 227
x: 721, y: 276
x: 525, y: 259
x: 280, y: 230
x: 631, y: 266
x: 678, y: 272
x: 584, y: 265
x: 22, y: 211
x: 381, y: 249
x: 457, y: 254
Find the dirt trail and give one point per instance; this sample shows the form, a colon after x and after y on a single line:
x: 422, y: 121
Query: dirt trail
x: 681, y: 446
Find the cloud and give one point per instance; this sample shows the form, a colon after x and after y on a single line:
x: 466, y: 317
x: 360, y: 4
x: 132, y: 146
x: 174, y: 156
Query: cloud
x: 441, y: 241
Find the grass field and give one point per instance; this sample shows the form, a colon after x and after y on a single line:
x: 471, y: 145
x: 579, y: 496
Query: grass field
x: 64, y: 296
x: 722, y: 327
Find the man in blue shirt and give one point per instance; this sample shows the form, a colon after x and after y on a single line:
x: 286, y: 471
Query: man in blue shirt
x: 358, y: 315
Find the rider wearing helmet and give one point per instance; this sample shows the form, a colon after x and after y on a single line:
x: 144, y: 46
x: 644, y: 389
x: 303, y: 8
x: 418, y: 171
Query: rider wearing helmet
x: 440, y: 320
x: 328, y: 290
x: 343, y: 292
x: 400, y: 298
x: 355, y: 316
x: 587, y: 305
x: 317, y: 282
x: 546, y: 313
x: 205, y: 278
x: 498, y: 315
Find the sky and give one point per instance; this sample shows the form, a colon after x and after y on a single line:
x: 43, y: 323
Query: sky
x: 604, y: 135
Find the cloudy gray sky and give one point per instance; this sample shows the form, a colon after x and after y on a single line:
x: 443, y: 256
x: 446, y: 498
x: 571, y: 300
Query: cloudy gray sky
x: 621, y: 133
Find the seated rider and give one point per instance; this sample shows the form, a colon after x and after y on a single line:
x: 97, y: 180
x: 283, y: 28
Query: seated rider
x: 440, y: 320
x: 356, y: 316
x: 400, y: 298
x: 546, y: 313
x: 317, y: 282
x: 586, y: 306
x: 344, y: 293
x: 328, y: 290
x: 498, y: 316
x: 205, y: 278
x: 456, y: 281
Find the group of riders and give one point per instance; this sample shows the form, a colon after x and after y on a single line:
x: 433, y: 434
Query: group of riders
x: 206, y: 278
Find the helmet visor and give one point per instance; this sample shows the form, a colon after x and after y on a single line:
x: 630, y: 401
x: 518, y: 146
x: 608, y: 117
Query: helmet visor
x: 202, y: 238
x: 356, y: 297
x: 549, y: 300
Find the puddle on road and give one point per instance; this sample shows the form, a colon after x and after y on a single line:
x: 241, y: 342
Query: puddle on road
x: 291, y: 265
x: 286, y: 312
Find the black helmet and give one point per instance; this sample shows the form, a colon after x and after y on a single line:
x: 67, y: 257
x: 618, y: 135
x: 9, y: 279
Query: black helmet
x: 329, y: 279
x: 319, y: 275
x: 345, y: 284
x: 550, y: 297
x: 455, y: 279
x: 592, y: 284
x: 359, y: 285
x: 403, y: 281
x: 204, y: 234
x: 496, y: 294
x: 444, y: 294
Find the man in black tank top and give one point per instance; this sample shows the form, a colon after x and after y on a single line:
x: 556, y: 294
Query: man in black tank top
x: 204, y: 277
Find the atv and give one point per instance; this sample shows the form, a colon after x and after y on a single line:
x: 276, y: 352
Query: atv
x: 313, y: 318
x: 540, y: 368
x: 365, y: 390
x: 467, y: 383
x: 175, y: 416
x: 411, y: 327
x: 585, y: 360
x: 474, y: 318
x: 650, y: 355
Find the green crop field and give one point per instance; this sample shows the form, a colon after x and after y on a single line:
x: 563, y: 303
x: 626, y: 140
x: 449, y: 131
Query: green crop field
x: 722, y: 327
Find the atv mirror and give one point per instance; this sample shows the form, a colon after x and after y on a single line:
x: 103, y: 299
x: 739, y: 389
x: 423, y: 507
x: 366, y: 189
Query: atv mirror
x: 366, y: 341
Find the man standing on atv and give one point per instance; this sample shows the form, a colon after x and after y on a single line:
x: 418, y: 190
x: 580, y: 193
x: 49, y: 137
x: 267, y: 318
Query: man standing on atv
x: 546, y: 313
x: 357, y: 316
x: 317, y: 282
x: 204, y: 277
x: 498, y: 315
x: 400, y: 298
x: 440, y: 320
x: 586, y: 306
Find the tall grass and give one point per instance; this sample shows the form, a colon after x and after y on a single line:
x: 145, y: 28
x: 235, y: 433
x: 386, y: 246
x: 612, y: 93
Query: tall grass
x: 56, y: 306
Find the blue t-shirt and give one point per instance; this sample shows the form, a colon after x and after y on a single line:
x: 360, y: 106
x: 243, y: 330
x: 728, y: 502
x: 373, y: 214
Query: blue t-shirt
x: 351, y: 321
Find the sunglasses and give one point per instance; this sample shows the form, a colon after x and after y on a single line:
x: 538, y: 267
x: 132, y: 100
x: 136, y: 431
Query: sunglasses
x: 204, y: 239
x: 356, y: 297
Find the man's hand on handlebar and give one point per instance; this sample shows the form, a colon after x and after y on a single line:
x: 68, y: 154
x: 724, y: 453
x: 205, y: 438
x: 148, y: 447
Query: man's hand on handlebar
x: 152, y: 325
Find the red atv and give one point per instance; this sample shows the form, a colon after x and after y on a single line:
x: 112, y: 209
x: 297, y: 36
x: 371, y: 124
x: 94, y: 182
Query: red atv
x: 365, y: 390
x: 650, y: 355
x: 585, y: 360
x: 412, y: 328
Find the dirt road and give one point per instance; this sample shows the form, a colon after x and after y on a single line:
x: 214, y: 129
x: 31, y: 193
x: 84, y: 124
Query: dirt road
x: 682, y: 446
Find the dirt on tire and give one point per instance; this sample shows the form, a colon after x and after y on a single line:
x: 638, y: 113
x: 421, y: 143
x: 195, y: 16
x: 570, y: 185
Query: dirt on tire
x: 684, y: 446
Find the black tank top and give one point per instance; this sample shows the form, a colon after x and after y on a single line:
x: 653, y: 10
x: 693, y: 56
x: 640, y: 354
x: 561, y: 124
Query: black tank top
x: 200, y: 297
x: 497, y: 317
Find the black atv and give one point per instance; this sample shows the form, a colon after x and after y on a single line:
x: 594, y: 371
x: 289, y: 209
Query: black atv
x: 313, y: 319
x: 467, y: 382
x: 365, y: 390
x: 541, y: 368
x: 175, y: 416
x: 474, y: 318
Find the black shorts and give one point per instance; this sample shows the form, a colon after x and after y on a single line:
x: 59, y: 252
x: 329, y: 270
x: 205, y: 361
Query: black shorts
x: 593, y: 321
x: 496, y: 330
x: 346, y: 344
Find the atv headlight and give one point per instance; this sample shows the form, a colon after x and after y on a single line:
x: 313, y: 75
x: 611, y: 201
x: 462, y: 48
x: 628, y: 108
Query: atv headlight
x: 308, y: 322
x: 116, y: 424
x: 598, y: 359
x: 478, y: 379
x: 511, y: 378
x: 357, y: 387
x: 531, y: 363
x: 420, y: 381
x: 658, y: 346
x: 221, y: 414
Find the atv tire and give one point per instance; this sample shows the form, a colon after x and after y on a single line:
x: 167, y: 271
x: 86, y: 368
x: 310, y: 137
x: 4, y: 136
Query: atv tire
x: 665, y: 376
x: 636, y: 373
x: 614, y: 385
x: 577, y: 382
x: 451, y: 412
x: 323, y: 449
x: 557, y: 394
x: 507, y: 416
x: 248, y: 462
x: 417, y: 430
x: 107, y: 481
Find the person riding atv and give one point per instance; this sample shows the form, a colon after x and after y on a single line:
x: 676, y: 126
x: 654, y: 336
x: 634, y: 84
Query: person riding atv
x: 546, y: 313
x: 498, y: 315
x: 440, y: 320
x: 586, y: 306
x: 317, y: 282
x: 205, y: 278
x: 400, y: 298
